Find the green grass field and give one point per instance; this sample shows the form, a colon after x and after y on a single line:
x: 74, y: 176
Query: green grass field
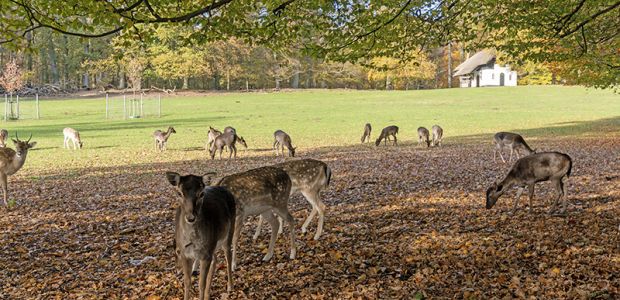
x: 313, y: 119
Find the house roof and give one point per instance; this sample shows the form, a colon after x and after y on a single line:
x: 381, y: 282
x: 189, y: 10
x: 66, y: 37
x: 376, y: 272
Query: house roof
x: 481, y: 58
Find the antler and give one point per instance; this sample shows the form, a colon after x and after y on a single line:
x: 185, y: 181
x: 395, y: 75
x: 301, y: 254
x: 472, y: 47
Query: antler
x: 28, y: 141
x: 16, y: 137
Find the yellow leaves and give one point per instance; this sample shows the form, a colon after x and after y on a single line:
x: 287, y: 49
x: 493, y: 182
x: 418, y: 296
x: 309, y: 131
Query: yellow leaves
x: 555, y: 271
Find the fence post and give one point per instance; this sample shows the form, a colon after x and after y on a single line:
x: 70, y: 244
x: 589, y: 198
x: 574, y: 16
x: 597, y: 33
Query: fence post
x: 6, y: 105
x: 18, y: 107
x: 124, y: 107
x: 106, y: 106
x: 141, y: 107
x: 159, y: 105
x: 37, y: 104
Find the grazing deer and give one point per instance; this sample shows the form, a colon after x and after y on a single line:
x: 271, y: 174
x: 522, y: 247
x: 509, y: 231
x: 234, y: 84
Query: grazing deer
x: 230, y: 129
x: 73, y: 136
x: 161, y: 138
x: 229, y: 140
x: 423, y: 137
x: 437, y: 135
x: 213, y: 133
x: 13, y: 160
x: 309, y: 177
x: 512, y: 141
x: 204, y: 223
x: 282, y: 139
x: 529, y: 170
x: 4, y: 134
x: 385, y: 135
x: 366, y: 135
x: 262, y: 191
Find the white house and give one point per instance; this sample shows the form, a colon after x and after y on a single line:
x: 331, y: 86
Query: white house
x: 481, y: 70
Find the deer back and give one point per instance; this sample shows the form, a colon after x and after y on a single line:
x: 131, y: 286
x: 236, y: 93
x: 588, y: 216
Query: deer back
x: 307, y: 174
x: 437, y: 131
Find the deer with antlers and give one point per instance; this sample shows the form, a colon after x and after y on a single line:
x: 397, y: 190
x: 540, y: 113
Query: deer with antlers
x: 13, y: 160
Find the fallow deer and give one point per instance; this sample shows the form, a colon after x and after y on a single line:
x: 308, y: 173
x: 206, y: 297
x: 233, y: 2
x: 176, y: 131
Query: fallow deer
x: 512, y: 141
x: 13, y: 160
x: 161, y: 138
x: 309, y: 177
x: 4, y: 134
x: 423, y: 136
x: 211, y: 135
x: 204, y: 223
x: 230, y: 129
x: 262, y: 191
x: 366, y: 135
x: 527, y: 171
x: 386, y: 133
x: 228, y: 139
x: 282, y: 139
x: 437, y: 135
x: 73, y: 136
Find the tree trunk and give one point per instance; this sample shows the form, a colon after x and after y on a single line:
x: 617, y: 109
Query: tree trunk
x: 295, y: 83
x: 51, y: 52
x: 85, y: 83
x: 450, y: 64
x: 247, y: 85
x: 185, y: 83
x: 228, y: 79
x: 122, y: 84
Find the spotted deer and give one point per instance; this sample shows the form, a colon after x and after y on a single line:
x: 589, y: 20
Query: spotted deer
x: 309, y: 177
x: 511, y: 140
x: 73, y: 136
x: 366, y: 135
x: 437, y: 135
x: 262, y: 191
x: 161, y: 138
x: 204, y: 223
x: 211, y: 135
x: 13, y: 160
x: 527, y: 171
x: 386, y: 133
x: 4, y: 134
x: 282, y: 139
x: 229, y: 140
x: 423, y: 137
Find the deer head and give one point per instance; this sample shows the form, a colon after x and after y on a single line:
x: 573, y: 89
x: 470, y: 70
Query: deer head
x: 493, y: 193
x: 242, y: 142
x: 21, y: 147
x: 190, y: 190
x: 292, y: 152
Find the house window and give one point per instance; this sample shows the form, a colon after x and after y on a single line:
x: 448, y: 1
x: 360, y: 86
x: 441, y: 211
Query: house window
x: 492, y: 75
x: 510, y: 76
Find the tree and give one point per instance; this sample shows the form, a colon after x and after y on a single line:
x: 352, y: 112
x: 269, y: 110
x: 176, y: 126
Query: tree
x: 12, y: 78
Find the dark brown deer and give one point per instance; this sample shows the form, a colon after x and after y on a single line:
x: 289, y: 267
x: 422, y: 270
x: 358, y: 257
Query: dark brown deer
x: 262, y: 191
x: 511, y: 140
x: 366, y: 135
x: 386, y: 133
x: 437, y: 135
x: 4, y: 134
x: 204, y: 223
x: 228, y: 140
x: 161, y: 138
x: 282, y: 139
x: 309, y: 177
x: 423, y: 136
x: 527, y: 171
x: 13, y: 160
x: 211, y: 135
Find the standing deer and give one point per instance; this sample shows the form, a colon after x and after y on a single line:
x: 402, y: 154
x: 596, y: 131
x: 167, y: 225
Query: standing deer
x: 366, y: 135
x: 213, y: 133
x: 73, y: 136
x: 204, y: 223
x: 512, y: 141
x: 309, y: 177
x: 529, y: 170
x: 230, y: 129
x: 282, y: 139
x: 4, y: 134
x: 437, y: 135
x: 423, y: 137
x: 229, y: 140
x: 262, y: 191
x: 385, y: 135
x: 161, y: 138
x: 13, y: 160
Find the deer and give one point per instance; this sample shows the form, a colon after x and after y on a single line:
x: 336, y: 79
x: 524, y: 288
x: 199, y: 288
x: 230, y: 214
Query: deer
x: 527, y: 171
x: 229, y: 140
x: 73, y: 136
x: 366, y: 135
x: 230, y: 129
x: 204, y: 223
x: 4, y: 134
x: 13, y: 160
x: 282, y: 139
x: 262, y: 191
x: 211, y: 135
x: 423, y: 137
x: 386, y: 133
x: 511, y: 140
x: 161, y: 138
x: 437, y: 135
x: 308, y: 177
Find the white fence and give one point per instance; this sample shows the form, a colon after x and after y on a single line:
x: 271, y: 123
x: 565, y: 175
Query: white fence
x: 20, y: 108
x: 132, y: 106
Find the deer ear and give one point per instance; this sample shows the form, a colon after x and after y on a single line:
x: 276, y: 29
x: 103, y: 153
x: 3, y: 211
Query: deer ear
x: 31, y: 145
x: 174, y: 178
x: 208, y: 177
x: 498, y: 188
x: 14, y: 141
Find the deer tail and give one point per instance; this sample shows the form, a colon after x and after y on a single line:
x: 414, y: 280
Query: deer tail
x: 570, y: 166
x: 328, y: 174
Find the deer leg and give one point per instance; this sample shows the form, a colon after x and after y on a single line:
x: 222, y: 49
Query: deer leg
x: 563, y: 193
x: 65, y: 143
x: 395, y: 140
x: 235, y: 241
x: 231, y: 152
x: 286, y: 216
x: 514, y: 208
x: 187, y: 277
x: 531, y: 207
x: 317, y: 207
x: 558, y: 189
x: 273, y: 222
x: 511, y: 151
x: 228, y: 256
x: 211, y: 269
x: 259, y: 225
x: 5, y: 189
x: 235, y: 149
x: 274, y: 146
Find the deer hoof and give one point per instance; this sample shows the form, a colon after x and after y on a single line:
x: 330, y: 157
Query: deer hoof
x: 267, y: 257
x: 317, y: 237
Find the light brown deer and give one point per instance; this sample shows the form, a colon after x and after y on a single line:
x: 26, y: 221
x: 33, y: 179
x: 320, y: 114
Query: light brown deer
x: 527, y: 171
x: 423, y: 137
x: 13, y: 160
x: 228, y: 139
x: 73, y: 136
x: 161, y: 138
x: 366, y: 135
x: 211, y: 135
x: 282, y: 139
x: 309, y: 177
x: 386, y: 133
x: 4, y: 134
x: 262, y: 191
x: 512, y: 141
x: 204, y: 223
x: 437, y: 135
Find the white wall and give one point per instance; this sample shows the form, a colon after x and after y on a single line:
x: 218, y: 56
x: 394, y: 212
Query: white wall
x: 491, y: 77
